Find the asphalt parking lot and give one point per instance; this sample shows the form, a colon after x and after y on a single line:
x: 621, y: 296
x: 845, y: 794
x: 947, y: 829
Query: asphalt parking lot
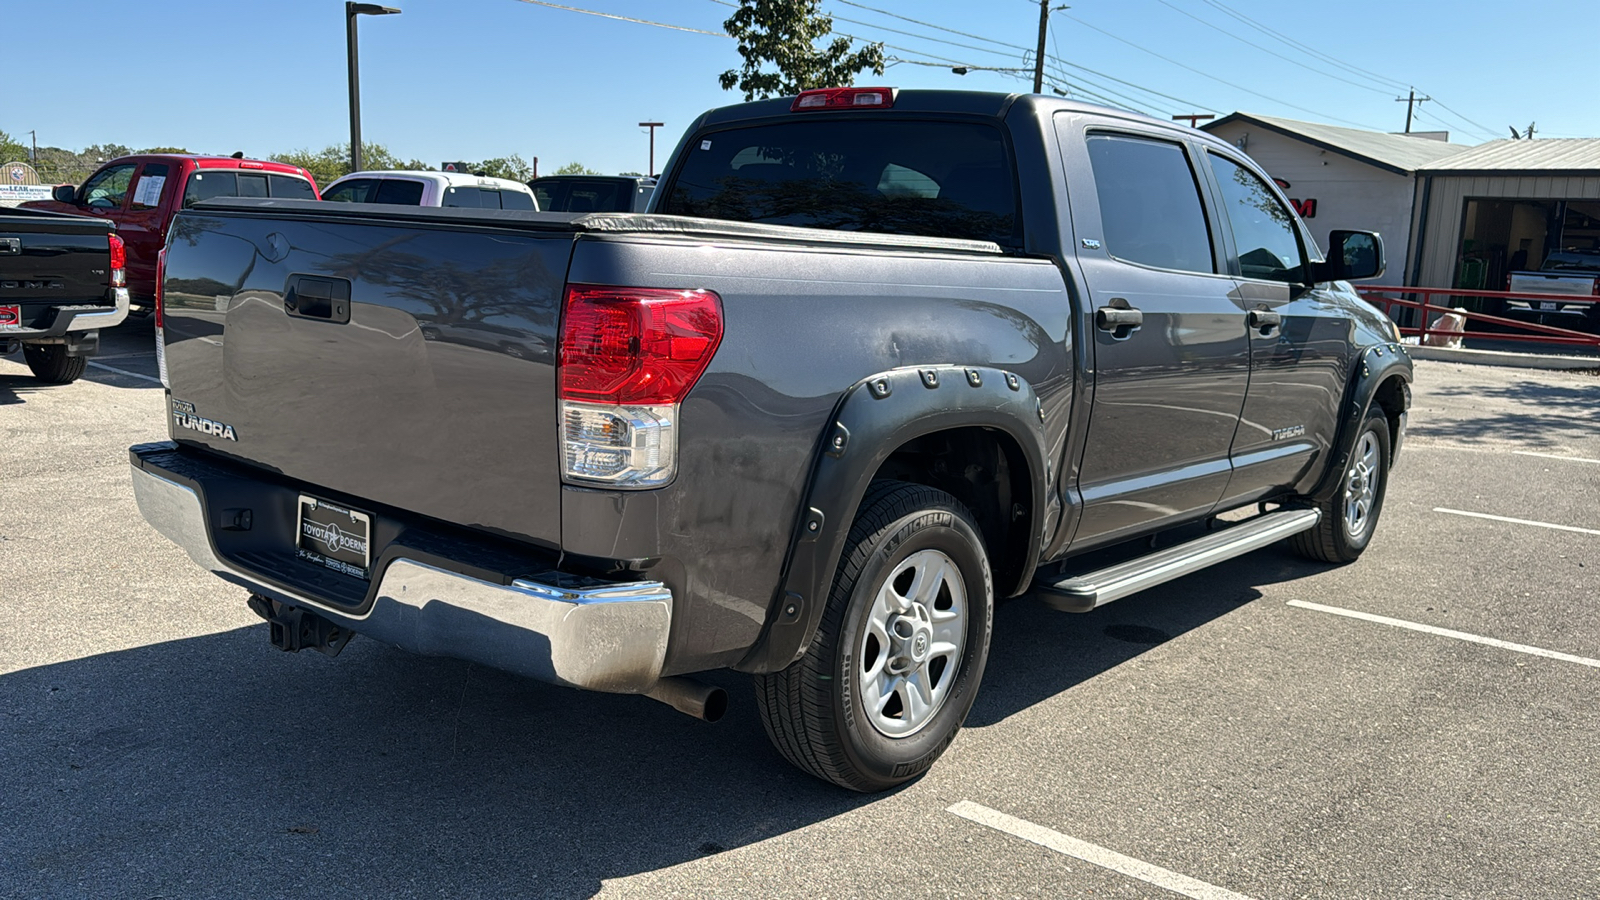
x: 1239, y: 732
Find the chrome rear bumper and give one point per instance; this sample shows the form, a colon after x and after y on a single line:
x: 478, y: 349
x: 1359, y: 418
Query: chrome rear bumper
x: 607, y: 637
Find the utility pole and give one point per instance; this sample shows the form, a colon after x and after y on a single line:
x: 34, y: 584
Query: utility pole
x: 1411, y: 100
x: 1038, y: 58
x: 652, y: 126
x: 1193, y: 118
x: 34, y: 137
x: 351, y: 10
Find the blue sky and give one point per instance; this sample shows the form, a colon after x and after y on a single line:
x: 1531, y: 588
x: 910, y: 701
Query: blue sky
x: 472, y: 79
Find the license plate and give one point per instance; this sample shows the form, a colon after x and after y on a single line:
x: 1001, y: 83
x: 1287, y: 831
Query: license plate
x: 334, y: 537
x: 10, y: 318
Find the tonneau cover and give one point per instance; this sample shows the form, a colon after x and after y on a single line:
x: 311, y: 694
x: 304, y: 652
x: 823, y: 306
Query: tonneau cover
x: 598, y: 223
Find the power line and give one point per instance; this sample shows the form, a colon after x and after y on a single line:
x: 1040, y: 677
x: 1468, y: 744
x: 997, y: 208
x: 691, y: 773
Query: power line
x: 605, y: 15
x: 1373, y: 76
x: 1267, y: 50
x: 1237, y: 87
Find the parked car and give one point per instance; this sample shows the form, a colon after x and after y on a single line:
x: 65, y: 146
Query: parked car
x: 453, y: 189
x: 593, y: 193
x: 1571, y: 272
x: 816, y: 454
x: 142, y: 193
x: 62, y: 279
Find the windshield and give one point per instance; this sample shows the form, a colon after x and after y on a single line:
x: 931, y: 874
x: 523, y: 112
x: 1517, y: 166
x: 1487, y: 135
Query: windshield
x: 937, y: 179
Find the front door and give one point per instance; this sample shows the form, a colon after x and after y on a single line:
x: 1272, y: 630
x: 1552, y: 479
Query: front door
x: 141, y: 225
x: 1170, y: 351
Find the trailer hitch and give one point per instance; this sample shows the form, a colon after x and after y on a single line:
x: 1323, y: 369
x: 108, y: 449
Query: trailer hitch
x: 293, y: 629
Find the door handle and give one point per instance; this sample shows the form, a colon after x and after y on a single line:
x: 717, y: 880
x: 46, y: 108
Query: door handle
x: 1121, y: 321
x: 312, y: 297
x: 1265, y: 319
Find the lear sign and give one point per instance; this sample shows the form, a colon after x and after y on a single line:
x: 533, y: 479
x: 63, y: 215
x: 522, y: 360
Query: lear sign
x: 21, y: 192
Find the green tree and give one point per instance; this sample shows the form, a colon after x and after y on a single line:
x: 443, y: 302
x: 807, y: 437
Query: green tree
x: 576, y: 168
x: 333, y: 161
x: 784, y: 33
x: 11, y: 150
x: 166, y: 150
x: 513, y: 167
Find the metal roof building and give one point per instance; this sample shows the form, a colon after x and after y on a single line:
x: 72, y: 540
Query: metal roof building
x: 1502, y: 207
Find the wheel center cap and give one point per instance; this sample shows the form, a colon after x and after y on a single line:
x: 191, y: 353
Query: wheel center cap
x: 912, y: 633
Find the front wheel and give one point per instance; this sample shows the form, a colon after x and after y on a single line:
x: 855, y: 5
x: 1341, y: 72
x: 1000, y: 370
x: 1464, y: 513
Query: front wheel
x: 1351, y: 515
x: 51, y: 364
x: 895, y: 665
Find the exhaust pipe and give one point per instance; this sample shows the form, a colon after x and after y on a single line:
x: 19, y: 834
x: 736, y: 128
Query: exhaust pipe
x: 694, y: 698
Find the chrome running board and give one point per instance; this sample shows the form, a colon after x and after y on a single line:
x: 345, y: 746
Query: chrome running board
x: 1082, y: 593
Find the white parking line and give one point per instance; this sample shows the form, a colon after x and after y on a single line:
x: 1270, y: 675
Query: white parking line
x: 1579, y: 459
x: 1445, y: 632
x: 1475, y: 515
x: 123, y: 372
x: 1092, y: 853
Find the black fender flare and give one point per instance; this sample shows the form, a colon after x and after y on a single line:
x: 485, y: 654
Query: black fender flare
x: 876, y: 416
x: 1376, y: 365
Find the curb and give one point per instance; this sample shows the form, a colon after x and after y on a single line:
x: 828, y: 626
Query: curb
x: 1500, y: 358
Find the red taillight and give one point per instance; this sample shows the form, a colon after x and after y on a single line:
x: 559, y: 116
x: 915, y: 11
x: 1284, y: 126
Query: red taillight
x: 636, y: 345
x: 844, y: 98
x: 161, y: 283
x: 119, y: 261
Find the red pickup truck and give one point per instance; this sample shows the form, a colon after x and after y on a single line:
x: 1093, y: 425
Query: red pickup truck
x: 142, y: 193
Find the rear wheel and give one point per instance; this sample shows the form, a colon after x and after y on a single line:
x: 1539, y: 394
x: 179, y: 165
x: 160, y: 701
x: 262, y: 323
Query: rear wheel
x: 1351, y: 515
x: 896, y: 662
x: 51, y: 364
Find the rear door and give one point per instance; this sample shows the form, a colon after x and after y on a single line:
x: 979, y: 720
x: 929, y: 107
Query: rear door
x: 1170, y: 355
x: 142, y: 225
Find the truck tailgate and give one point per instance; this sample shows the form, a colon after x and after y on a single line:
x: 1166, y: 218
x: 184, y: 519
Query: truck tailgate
x: 383, y: 363
x: 48, y: 258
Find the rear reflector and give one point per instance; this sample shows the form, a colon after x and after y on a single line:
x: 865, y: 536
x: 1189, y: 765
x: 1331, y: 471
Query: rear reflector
x: 628, y: 357
x: 844, y: 98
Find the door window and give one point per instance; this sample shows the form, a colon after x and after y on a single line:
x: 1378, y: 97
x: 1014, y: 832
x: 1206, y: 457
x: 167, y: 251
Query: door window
x: 151, y: 185
x: 1263, y: 228
x: 107, y: 188
x: 291, y: 188
x: 516, y: 200
x: 1150, y: 207
x: 357, y: 190
x: 399, y: 192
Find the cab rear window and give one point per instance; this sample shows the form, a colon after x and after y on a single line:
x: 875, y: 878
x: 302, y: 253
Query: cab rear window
x: 208, y: 183
x: 935, y: 179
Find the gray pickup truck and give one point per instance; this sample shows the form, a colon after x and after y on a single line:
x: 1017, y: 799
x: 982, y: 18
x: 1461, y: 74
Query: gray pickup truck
x: 874, y: 361
x: 62, y: 279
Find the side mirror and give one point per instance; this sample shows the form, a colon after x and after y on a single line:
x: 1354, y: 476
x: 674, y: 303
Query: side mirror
x: 1352, y: 255
x: 65, y: 193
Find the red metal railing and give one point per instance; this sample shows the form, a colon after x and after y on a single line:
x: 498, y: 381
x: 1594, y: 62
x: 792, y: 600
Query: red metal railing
x: 1531, y: 332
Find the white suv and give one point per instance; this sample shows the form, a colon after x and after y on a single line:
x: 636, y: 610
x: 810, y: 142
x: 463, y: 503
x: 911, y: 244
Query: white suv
x: 431, y: 189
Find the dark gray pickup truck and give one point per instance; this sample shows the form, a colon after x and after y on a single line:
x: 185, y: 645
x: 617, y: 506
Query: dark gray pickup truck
x: 62, y: 279
x: 874, y: 361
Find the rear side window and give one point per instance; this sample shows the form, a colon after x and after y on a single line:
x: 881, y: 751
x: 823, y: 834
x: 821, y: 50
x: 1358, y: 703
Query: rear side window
x: 939, y: 179
x: 550, y: 196
x: 252, y: 185
x: 1263, y: 228
x: 359, y: 190
x: 516, y: 200
x: 291, y: 188
x: 465, y: 197
x: 1150, y: 203
x: 399, y: 192
x: 205, y: 184
x: 151, y: 185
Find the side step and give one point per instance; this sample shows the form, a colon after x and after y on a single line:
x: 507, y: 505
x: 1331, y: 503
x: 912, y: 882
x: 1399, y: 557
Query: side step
x: 1085, y: 592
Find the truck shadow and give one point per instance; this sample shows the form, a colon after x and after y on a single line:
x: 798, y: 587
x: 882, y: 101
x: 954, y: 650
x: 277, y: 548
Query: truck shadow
x: 1544, y: 414
x: 192, y: 767
x: 1038, y: 652
x: 15, y: 389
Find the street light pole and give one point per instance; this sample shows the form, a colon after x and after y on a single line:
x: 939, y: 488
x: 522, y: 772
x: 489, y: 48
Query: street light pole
x: 351, y: 10
x: 652, y: 126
